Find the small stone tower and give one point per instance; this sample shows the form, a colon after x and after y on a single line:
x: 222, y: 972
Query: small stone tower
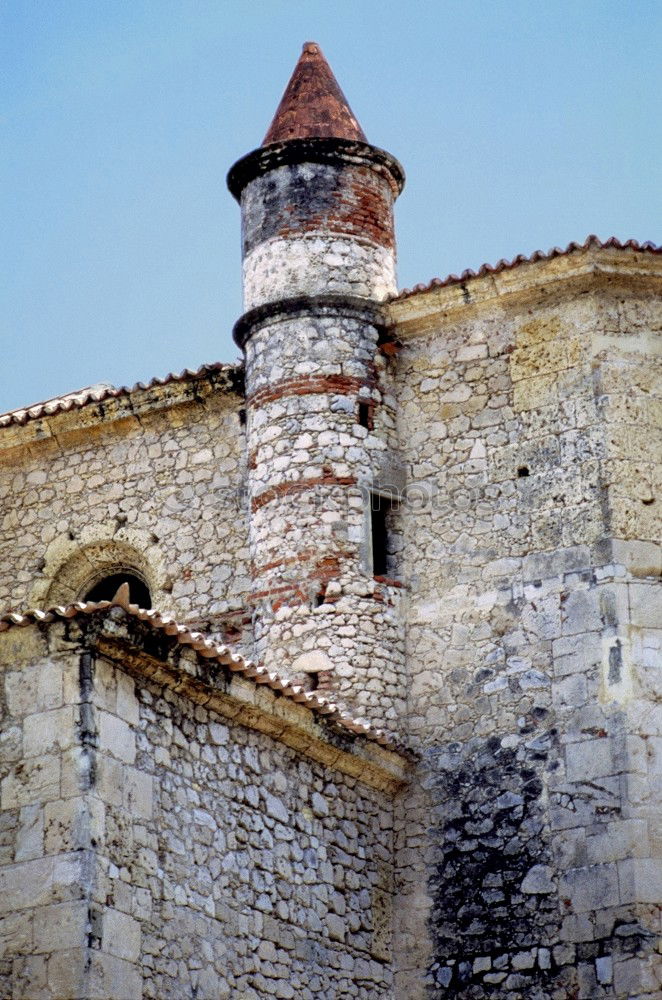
x: 319, y: 258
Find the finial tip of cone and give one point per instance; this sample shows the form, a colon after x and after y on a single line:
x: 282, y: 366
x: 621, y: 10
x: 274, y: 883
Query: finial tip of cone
x: 122, y: 595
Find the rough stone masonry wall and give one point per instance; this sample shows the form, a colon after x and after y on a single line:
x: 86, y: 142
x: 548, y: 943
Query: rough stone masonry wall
x: 312, y: 462
x: 532, y: 651
x: 319, y: 255
x: 159, y: 490
x: 208, y: 859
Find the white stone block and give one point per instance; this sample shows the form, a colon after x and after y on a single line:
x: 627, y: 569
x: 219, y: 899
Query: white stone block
x: 645, y: 605
x: 120, y: 935
x: 34, y: 689
x: 15, y: 934
x: 138, y: 793
x: 116, y: 737
x: 71, y: 824
x: 591, y: 888
x: 639, y: 558
x: 581, y: 612
x: 36, y: 779
x: 25, y: 885
x: 648, y: 880
x: 110, y: 780
x: 589, y: 759
x: 45, y: 732
x: 128, y: 706
x: 71, y: 874
x: 66, y: 973
x: 61, y: 926
x: 30, y: 834
x: 623, y: 839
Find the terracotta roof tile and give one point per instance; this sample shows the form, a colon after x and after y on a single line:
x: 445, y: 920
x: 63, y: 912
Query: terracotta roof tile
x: 590, y: 243
x: 207, y: 648
x: 313, y: 105
x: 101, y: 392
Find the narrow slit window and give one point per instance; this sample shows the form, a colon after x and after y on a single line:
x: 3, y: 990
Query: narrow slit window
x: 365, y: 415
x: 381, y: 508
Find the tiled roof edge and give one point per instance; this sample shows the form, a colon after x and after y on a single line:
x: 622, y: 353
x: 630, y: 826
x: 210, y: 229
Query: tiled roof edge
x: 208, y: 649
x: 98, y: 394
x: 591, y: 242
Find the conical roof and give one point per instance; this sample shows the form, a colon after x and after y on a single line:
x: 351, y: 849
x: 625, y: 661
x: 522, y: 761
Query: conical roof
x: 313, y: 105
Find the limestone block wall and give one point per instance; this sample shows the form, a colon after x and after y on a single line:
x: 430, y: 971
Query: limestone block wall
x: 539, y: 723
x: 48, y: 823
x: 629, y: 395
x: 155, y: 848
x: 155, y: 483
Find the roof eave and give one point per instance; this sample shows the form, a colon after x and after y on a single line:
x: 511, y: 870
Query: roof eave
x: 250, y: 694
x: 43, y: 421
x: 509, y: 282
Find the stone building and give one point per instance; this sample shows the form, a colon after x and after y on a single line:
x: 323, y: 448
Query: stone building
x: 346, y: 682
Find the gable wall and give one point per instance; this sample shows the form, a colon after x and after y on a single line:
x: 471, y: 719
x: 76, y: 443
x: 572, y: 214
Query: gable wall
x: 166, y: 484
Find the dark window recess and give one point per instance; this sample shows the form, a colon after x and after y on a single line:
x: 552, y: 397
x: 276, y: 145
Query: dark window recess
x: 364, y: 415
x: 523, y: 471
x: 381, y: 510
x: 106, y: 589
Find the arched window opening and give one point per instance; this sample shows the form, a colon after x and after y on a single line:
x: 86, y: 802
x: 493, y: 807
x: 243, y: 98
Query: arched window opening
x: 106, y: 588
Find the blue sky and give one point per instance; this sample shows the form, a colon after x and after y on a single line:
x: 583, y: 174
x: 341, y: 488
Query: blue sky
x: 521, y: 125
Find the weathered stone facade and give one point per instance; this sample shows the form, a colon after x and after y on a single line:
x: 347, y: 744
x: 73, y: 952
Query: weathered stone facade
x: 436, y: 513
x: 167, y: 834
x: 151, y: 481
x: 532, y: 640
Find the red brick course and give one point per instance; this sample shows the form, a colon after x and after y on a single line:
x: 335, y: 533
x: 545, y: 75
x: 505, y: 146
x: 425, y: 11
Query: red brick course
x: 282, y: 489
x: 360, y: 206
x: 301, y: 557
x: 309, y: 385
x: 287, y: 594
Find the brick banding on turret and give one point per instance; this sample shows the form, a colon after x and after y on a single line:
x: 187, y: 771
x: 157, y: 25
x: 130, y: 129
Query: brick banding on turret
x: 310, y: 385
x: 298, y: 486
x: 283, y: 561
x: 318, y: 262
x: 308, y: 199
x: 324, y: 569
x: 291, y: 589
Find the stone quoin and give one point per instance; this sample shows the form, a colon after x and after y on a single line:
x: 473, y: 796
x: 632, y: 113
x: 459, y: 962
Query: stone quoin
x: 336, y: 673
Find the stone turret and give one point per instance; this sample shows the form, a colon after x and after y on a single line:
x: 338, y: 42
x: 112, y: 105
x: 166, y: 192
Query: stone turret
x: 319, y: 258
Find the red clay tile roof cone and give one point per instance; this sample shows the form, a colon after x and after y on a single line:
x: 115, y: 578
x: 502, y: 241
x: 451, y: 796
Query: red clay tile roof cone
x: 313, y: 105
